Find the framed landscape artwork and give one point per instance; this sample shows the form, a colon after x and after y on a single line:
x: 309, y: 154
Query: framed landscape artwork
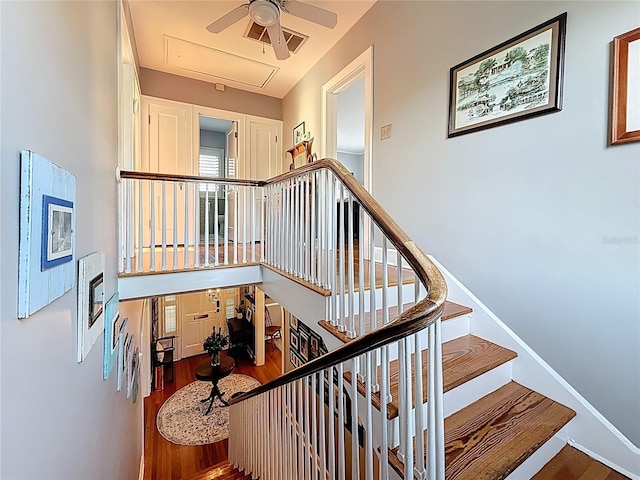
x: 518, y: 79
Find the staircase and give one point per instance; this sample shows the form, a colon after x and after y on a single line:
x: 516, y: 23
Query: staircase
x: 222, y: 471
x: 494, y: 426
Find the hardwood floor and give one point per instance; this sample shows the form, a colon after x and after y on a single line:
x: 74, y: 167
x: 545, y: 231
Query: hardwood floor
x: 167, y: 461
x: 572, y: 464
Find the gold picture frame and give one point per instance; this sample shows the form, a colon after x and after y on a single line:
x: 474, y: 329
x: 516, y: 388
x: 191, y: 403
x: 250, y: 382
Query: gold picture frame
x: 625, y: 99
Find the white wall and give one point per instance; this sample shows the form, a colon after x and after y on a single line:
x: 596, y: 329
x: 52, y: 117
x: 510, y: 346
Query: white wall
x: 522, y: 214
x: 60, y: 420
x: 354, y: 163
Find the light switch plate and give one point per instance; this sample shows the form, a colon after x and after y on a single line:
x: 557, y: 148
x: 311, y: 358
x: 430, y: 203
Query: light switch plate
x: 385, y: 132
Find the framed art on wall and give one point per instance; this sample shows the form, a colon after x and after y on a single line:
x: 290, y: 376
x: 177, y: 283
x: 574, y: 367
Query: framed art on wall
x: 46, y: 233
x: 111, y: 334
x: 57, y: 232
x: 518, y: 79
x: 90, y: 302
x: 298, y: 133
x: 625, y: 88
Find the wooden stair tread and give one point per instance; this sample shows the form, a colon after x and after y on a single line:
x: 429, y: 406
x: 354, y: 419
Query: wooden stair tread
x: 490, y: 438
x: 221, y: 471
x: 451, y: 310
x: 572, y: 464
x: 463, y: 359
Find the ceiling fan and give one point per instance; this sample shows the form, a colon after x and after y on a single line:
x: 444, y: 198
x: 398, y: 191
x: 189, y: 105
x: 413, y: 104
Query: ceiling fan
x: 267, y: 14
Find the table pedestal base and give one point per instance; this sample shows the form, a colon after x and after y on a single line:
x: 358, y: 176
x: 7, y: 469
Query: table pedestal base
x: 215, y: 393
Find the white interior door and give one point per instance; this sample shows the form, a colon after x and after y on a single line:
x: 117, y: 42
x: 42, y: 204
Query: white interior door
x: 169, y: 151
x: 199, y: 316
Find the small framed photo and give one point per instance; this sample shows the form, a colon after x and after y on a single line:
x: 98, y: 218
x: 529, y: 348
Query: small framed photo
x: 294, y: 322
x: 294, y: 360
x: 96, y: 298
x: 314, y: 349
x: 57, y: 231
x: 520, y: 78
x: 294, y: 340
x: 298, y: 133
x: 90, y: 302
x: 304, y: 346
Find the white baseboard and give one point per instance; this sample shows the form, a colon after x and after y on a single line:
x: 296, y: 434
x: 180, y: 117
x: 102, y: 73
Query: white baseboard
x: 141, y: 469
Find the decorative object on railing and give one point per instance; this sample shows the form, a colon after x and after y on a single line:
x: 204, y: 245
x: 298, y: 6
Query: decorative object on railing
x: 323, y: 228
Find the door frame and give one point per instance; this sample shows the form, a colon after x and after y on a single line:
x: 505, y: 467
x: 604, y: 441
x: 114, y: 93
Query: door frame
x: 360, y: 67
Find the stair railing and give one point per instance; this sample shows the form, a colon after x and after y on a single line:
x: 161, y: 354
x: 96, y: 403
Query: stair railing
x: 317, y: 421
x: 185, y: 222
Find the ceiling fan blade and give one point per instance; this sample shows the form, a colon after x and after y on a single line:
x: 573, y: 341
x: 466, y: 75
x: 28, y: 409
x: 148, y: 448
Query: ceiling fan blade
x: 229, y: 19
x: 278, y: 41
x: 311, y: 13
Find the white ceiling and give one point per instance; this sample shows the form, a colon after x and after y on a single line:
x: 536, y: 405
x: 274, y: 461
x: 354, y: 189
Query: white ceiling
x: 171, y: 37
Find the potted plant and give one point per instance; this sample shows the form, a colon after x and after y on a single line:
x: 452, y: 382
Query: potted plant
x: 214, y: 343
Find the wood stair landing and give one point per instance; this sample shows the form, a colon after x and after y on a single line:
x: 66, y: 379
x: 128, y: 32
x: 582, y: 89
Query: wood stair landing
x: 222, y: 471
x: 451, y: 310
x: 491, y: 437
x: 463, y: 359
x: 572, y: 464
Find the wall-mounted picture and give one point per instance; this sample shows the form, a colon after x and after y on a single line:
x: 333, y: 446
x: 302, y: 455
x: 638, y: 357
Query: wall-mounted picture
x: 520, y: 78
x: 293, y: 322
x: 57, y: 232
x: 625, y: 90
x: 314, y: 348
x: 111, y: 334
x: 129, y: 363
x: 122, y: 342
x: 294, y: 360
x: 294, y: 339
x: 46, y: 233
x: 298, y: 133
x: 304, y: 346
x: 90, y: 302
x: 96, y: 298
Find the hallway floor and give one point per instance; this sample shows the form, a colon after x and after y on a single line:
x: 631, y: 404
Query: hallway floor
x: 167, y: 461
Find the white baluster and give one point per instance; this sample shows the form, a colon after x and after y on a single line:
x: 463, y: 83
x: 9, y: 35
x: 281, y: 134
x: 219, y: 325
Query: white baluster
x: 226, y: 225
x: 216, y: 260
x: 164, y: 225
x: 253, y: 224
x: 368, y: 417
x: 244, y: 224
x: 175, y: 225
x: 341, y: 259
x: 207, y: 227
x: 196, y: 224
x: 351, y: 328
x: 341, y: 444
x: 152, y: 247
x: 185, y: 256
x: 140, y: 224
x: 355, y: 448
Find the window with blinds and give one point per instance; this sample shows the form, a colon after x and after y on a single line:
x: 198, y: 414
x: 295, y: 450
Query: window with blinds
x: 210, y: 164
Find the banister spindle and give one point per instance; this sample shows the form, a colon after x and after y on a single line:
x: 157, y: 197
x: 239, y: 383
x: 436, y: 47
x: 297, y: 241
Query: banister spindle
x: 207, y: 227
x: 164, y: 225
x: 175, y: 225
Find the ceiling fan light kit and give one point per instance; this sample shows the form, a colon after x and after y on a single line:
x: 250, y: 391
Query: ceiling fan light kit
x: 264, y: 13
x: 267, y: 14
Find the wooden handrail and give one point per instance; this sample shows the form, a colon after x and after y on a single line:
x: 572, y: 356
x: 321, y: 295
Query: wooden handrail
x: 420, y: 316
x: 188, y: 178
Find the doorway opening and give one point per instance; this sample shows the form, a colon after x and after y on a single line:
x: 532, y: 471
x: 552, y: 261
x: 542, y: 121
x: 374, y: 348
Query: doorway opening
x: 347, y: 127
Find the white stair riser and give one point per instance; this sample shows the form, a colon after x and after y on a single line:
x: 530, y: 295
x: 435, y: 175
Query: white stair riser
x: 460, y: 397
x: 541, y: 456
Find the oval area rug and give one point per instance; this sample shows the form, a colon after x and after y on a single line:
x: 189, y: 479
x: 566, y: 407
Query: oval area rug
x: 182, y: 421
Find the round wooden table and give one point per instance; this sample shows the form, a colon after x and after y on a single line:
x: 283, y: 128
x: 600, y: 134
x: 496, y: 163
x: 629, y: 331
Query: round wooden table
x: 207, y: 373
